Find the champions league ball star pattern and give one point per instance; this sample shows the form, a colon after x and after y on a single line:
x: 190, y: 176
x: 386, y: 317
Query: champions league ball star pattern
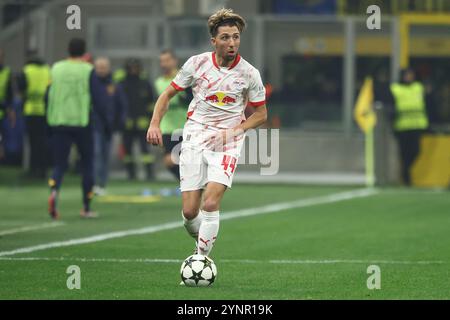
x: 198, y: 271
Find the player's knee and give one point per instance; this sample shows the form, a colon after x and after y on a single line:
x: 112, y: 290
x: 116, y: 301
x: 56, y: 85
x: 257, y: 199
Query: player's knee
x: 190, y: 212
x: 210, y: 205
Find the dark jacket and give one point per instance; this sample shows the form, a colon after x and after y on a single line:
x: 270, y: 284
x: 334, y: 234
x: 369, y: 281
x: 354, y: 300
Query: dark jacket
x: 109, y: 104
x: 139, y: 95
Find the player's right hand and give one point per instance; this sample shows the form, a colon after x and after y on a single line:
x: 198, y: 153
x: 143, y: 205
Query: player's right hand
x: 154, y: 136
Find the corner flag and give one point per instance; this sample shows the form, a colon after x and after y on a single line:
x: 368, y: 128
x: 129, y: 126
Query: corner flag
x: 366, y: 118
x: 364, y: 113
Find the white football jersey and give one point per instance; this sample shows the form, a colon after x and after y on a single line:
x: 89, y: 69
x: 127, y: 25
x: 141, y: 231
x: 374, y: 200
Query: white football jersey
x: 221, y: 94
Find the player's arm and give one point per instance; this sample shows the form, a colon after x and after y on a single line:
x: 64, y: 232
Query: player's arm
x: 154, y: 135
x: 257, y: 101
x: 255, y: 120
x: 258, y: 117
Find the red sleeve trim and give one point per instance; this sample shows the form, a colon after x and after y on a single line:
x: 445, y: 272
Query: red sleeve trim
x: 177, y: 87
x: 257, y: 104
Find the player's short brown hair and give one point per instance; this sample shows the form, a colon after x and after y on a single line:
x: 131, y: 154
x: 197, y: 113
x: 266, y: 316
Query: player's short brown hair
x: 225, y: 17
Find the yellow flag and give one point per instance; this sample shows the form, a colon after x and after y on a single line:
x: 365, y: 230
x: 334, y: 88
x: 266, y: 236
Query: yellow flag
x: 364, y: 114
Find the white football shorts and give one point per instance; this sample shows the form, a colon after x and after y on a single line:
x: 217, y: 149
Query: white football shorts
x: 198, y: 165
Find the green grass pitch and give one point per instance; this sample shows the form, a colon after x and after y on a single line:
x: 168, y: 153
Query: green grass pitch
x: 312, y: 251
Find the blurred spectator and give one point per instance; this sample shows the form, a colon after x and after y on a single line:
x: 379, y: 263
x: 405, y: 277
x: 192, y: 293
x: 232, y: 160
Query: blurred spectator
x: 69, y: 118
x: 106, y: 96
x: 14, y: 133
x: 382, y: 92
x: 32, y: 84
x: 175, y: 117
x: 119, y: 75
x: 139, y: 96
x: 410, y: 119
x: 6, y: 97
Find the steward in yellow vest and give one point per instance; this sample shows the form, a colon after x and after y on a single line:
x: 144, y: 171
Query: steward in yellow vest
x: 409, y: 106
x: 33, y: 85
x: 5, y: 90
x: 411, y: 119
x: 6, y: 98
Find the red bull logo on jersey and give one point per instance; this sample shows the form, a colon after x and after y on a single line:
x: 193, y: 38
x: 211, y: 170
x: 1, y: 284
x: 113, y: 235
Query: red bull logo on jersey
x: 228, y: 100
x: 212, y: 98
x: 220, y: 99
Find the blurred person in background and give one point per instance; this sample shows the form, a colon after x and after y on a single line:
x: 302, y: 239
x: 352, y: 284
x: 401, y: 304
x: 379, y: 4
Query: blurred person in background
x: 175, y: 117
x: 32, y: 85
x: 106, y: 96
x: 139, y: 98
x: 6, y: 98
x: 410, y: 119
x: 69, y: 118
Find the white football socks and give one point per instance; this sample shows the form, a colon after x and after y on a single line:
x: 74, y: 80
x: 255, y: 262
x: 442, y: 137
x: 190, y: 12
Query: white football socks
x: 208, y: 231
x: 192, y: 226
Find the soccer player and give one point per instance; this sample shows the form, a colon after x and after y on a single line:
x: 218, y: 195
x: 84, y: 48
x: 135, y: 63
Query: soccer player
x: 223, y: 83
x: 175, y: 117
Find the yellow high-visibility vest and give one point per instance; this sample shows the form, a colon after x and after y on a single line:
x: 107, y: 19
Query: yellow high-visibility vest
x: 5, y: 74
x: 410, y: 106
x: 38, y: 79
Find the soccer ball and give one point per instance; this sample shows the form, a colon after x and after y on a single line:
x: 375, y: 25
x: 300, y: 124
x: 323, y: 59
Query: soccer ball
x: 198, y: 271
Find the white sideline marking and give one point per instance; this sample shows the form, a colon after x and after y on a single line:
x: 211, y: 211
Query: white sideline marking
x: 145, y: 260
x: 31, y: 228
x: 336, y: 197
